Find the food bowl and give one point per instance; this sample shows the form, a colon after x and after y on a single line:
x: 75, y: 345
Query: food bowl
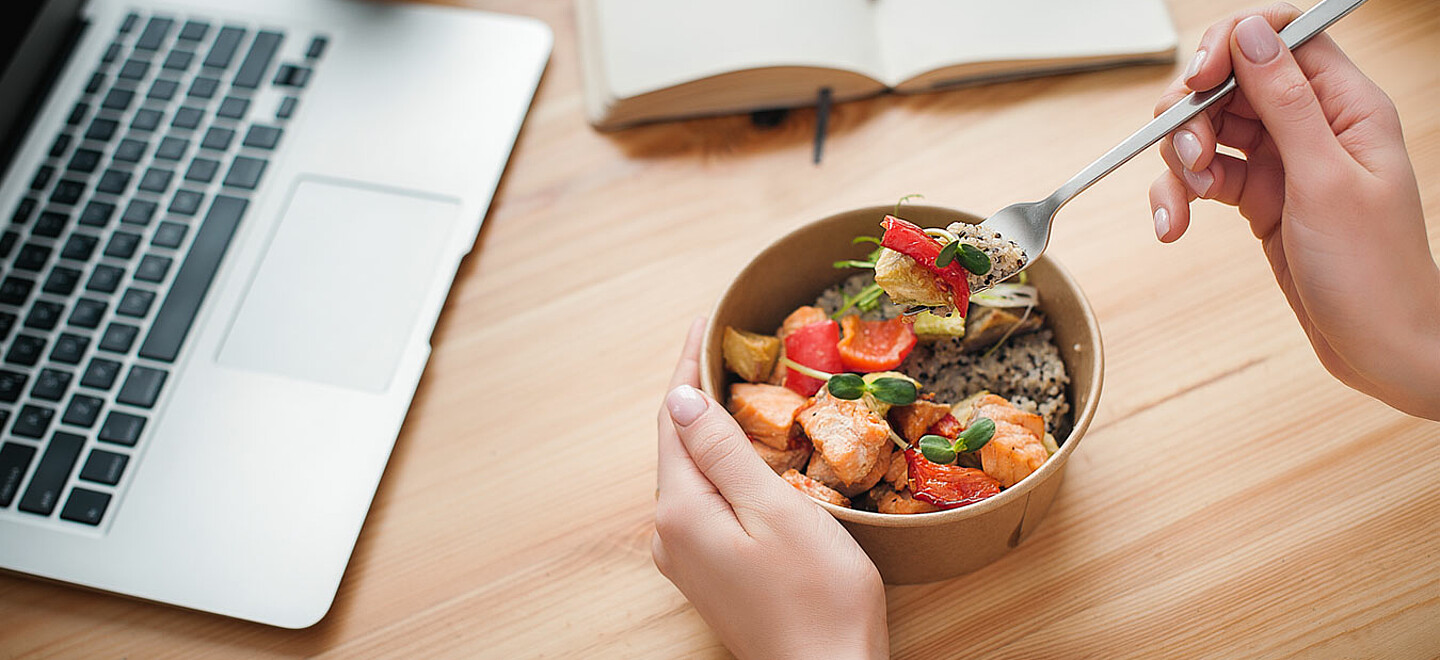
x: 795, y: 269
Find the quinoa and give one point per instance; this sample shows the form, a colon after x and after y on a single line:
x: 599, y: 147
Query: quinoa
x: 1006, y: 257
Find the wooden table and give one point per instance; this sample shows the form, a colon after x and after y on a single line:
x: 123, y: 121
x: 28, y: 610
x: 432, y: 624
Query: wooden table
x: 1231, y: 499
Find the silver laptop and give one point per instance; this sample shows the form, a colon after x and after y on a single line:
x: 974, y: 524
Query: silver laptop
x: 226, y: 232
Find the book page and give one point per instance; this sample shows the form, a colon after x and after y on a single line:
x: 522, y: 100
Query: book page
x: 916, y: 36
x: 647, y: 45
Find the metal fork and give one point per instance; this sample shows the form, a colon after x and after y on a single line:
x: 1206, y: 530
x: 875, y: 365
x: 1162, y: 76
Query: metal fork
x: 1028, y: 223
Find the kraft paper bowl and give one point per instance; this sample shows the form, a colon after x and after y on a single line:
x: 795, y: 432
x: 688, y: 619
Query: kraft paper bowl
x: 795, y: 269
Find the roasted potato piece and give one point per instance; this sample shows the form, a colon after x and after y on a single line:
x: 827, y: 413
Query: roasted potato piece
x: 913, y: 420
x: 907, y: 282
x: 750, y: 355
x: 986, y: 325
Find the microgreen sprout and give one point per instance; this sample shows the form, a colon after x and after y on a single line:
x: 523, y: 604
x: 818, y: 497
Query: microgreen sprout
x: 904, y: 199
x: 894, y: 391
x: 867, y: 299
x: 970, y: 257
x: 943, y: 450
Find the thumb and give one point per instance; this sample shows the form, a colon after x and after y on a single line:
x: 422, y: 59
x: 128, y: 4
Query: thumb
x: 1282, y: 97
x: 721, y: 450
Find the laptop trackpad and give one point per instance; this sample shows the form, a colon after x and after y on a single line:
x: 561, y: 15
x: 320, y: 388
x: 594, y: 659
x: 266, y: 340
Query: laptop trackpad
x: 337, y: 293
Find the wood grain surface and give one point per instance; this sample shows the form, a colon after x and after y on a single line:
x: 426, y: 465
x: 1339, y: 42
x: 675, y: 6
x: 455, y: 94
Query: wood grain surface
x: 1231, y: 499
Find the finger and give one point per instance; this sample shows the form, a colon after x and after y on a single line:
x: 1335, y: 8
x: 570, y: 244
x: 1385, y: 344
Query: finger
x: 675, y: 472
x: 1247, y: 135
x: 721, y: 451
x: 1170, y: 207
x: 1283, y: 97
x: 1194, y: 143
x: 687, y: 371
x: 1199, y: 183
x: 1230, y: 181
x: 1211, y: 64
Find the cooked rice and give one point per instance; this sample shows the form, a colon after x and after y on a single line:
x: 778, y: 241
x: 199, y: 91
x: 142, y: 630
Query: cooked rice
x: 1006, y: 257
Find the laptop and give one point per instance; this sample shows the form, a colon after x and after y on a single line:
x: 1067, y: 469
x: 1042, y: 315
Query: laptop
x: 226, y: 232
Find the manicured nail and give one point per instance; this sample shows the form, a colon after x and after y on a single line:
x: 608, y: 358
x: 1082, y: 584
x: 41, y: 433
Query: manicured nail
x: 1199, y: 182
x: 685, y: 404
x: 1196, y: 61
x: 1187, y: 147
x: 1162, y: 223
x: 1258, y: 43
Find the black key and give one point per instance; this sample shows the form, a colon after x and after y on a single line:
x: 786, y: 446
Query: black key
x: 79, y: 247
x: 113, y: 182
x: 185, y: 202
x: 50, y: 225
x: 12, y: 384
x: 133, y: 69
x: 192, y: 281
x: 131, y: 150
x: 61, y: 143
x: 69, y: 348
x: 112, y: 53
x: 202, y: 170
x: 25, y: 350
x: 252, y: 70
x: 135, y: 302
x: 42, y: 177
x: 233, y: 107
x: 122, y: 245
x: 62, y: 281
x: 287, y: 107
x: 77, y: 114
x: 44, y: 315
x: 32, y: 257
x: 162, y: 90
x: 96, y: 83
x: 292, y: 76
x: 169, y: 235
x: 84, y: 160
x: 51, y: 384
x: 178, y: 60
x: 152, y: 268
x: 50, y: 476
x: 245, y: 172
x: 122, y: 428
x: 154, y: 33
x: 101, y: 130
x: 119, y: 338
x: 172, y: 148
x: 139, y: 211
x: 100, y: 374
x: 204, y: 87
x: 218, y: 138
x: 87, y: 313
x: 23, y: 210
x: 262, y: 137
x: 14, y: 461
x: 83, y: 411
x: 129, y: 23
x: 194, y: 30
x: 32, y: 421
x: 317, y: 48
x: 85, y: 506
x: 118, y: 100
x: 67, y: 191
x: 147, y: 119
x: 7, y: 323
x: 142, y: 387
x: 187, y: 117
x: 156, y: 180
x: 103, y: 467
x: 15, y: 290
x: 104, y: 279
x: 8, y: 240
x: 226, y: 43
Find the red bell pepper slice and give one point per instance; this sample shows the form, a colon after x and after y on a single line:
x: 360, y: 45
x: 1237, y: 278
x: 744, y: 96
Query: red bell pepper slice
x: 813, y: 346
x: 947, y: 486
x: 871, y: 346
x: 912, y: 241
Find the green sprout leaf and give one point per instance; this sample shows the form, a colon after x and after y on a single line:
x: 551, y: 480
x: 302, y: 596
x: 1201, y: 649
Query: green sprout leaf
x: 865, y: 239
x: 937, y: 449
x: 972, y: 259
x: 846, y: 386
x: 947, y: 254
x: 853, y: 263
x: 904, y: 199
x: 895, y: 391
x: 867, y: 299
x: 976, y: 435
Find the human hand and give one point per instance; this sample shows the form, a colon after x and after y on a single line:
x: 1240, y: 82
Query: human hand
x: 1329, y: 190
x: 773, y: 573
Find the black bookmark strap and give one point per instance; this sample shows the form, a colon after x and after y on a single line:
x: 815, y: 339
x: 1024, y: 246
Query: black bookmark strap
x: 822, y: 122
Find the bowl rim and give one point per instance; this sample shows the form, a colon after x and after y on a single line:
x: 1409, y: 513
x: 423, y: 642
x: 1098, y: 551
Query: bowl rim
x: 1053, y: 464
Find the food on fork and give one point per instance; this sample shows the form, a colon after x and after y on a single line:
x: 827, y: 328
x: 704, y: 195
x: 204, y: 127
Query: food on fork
x: 941, y: 268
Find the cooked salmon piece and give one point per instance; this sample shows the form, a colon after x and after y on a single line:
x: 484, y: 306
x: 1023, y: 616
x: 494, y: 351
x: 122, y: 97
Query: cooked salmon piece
x: 765, y: 412
x: 1000, y: 410
x: 820, y: 470
x: 814, y: 488
x: 1012, y: 454
x: 750, y: 355
x: 849, y: 435
x: 913, y: 420
x: 800, y: 318
x: 888, y: 500
x: 781, y: 460
x: 898, y: 475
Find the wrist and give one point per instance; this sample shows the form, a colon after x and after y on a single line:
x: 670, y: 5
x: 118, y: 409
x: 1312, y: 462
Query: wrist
x: 1414, y: 386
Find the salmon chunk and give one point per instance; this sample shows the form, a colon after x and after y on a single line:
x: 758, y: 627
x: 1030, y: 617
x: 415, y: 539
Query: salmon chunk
x: 1012, y: 454
x: 891, y: 501
x: 814, y: 488
x: 848, y: 434
x: 781, y: 460
x: 913, y: 420
x: 898, y: 476
x: 800, y: 318
x: 820, y: 470
x: 1000, y: 410
x: 765, y: 412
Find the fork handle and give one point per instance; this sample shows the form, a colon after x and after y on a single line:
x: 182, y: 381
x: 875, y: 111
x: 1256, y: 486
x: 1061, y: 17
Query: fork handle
x: 1300, y: 30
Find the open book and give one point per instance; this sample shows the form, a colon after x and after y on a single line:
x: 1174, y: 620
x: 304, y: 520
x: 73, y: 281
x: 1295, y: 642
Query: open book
x: 656, y: 59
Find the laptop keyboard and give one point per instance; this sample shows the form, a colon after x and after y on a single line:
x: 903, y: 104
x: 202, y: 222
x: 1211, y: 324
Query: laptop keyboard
x: 108, y: 256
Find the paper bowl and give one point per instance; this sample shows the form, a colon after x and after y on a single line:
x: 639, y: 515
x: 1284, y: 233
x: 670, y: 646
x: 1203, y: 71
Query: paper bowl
x: 794, y: 270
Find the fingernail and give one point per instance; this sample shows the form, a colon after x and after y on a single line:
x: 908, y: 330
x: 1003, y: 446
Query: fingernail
x: 685, y: 404
x: 1196, y: 61
x: 1199, y: 182
x: 1162, y: 223
x: 1187, y: 147
x: 1258, y: 43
